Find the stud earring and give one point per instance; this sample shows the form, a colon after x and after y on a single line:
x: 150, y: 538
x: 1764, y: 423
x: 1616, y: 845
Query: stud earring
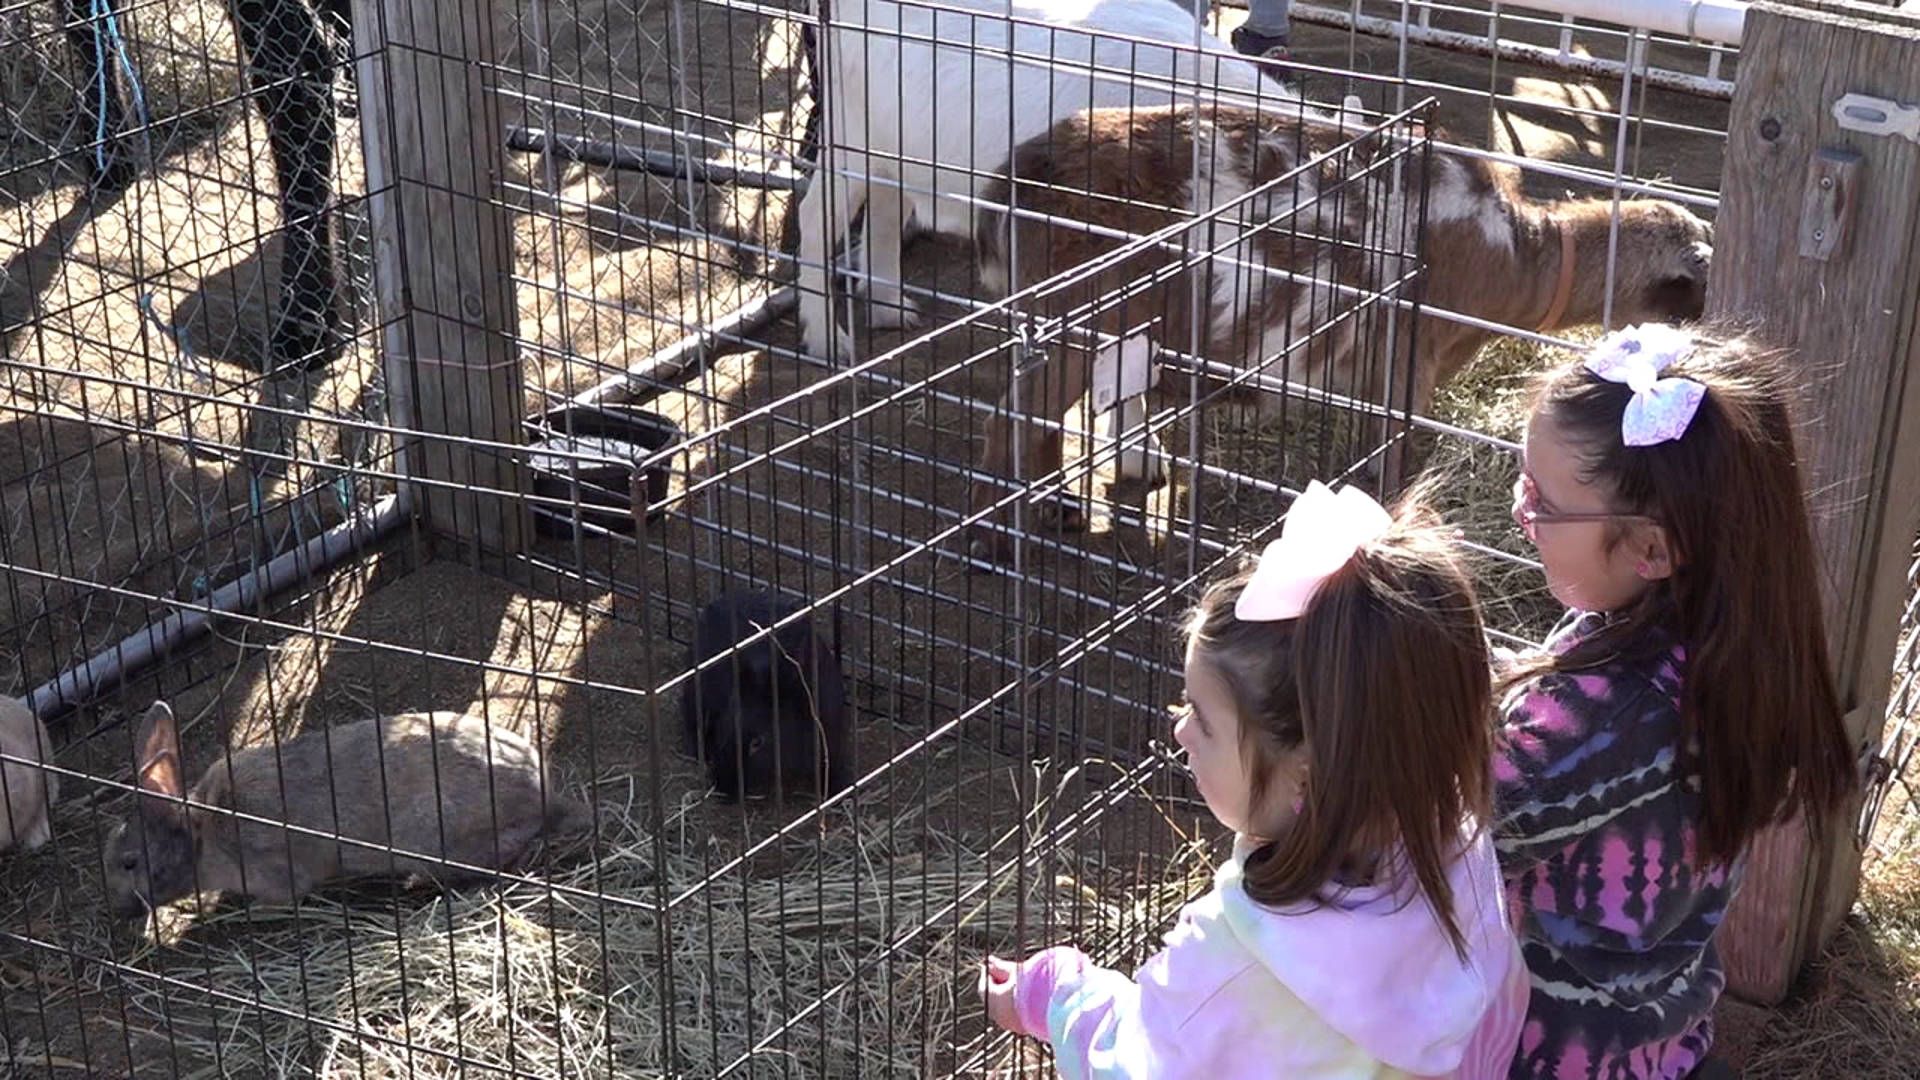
x: 1642, y: 568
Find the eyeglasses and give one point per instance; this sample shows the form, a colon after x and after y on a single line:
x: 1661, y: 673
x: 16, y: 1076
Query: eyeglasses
x: 1528, y: 515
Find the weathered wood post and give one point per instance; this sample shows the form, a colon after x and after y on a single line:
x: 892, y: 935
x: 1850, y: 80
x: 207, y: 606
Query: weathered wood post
x: 434, y: 144
x: 1818, y: 238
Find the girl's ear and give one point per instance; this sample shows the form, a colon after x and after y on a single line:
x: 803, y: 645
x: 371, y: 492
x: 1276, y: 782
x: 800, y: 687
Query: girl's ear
x: 1298, y: 774
x: 1653, y: 553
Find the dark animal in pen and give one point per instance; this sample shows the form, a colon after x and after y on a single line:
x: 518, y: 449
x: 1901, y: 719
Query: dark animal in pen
x: 291, y: 53
x: 769, y: 717
x: 1491, y: 253
x: 435, y: 787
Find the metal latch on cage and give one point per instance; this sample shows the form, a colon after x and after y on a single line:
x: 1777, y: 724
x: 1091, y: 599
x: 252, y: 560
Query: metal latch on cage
x: 1827, y: 204
x: 1871, y: 115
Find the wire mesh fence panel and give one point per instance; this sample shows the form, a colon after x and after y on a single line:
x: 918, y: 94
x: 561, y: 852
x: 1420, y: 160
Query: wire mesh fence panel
x: 884, y: 378
x: 154, y: 442
x: 1889, y: 820
x: 334, y: 800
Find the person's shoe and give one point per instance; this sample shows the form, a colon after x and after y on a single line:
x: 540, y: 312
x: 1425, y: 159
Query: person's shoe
x: 1259, y: 46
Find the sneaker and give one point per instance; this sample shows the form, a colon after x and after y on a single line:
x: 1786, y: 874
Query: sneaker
x: 1259, y: 46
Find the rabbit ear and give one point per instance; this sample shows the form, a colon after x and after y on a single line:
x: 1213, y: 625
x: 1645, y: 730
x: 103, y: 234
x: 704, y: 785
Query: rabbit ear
x: 159, y: 752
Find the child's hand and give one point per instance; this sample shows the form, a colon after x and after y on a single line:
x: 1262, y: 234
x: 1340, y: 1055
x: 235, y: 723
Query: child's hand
x: 996, y: 989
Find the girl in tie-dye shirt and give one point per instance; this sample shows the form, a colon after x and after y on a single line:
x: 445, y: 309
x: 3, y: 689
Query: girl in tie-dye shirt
x: 1683, y: 703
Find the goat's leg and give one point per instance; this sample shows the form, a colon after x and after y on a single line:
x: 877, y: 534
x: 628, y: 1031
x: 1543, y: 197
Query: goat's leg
x: 823, y: 223
x: 338, y: 15
x: 289, y: 68
x: 109, y: 166
x: 1046, y: 390
x: 1142, y: 457
x: 816, y: 90
x: 889, y: 307
x: 1410, y: 446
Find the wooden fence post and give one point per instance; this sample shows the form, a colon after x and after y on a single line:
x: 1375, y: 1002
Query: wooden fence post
x: 435, y: 143
x: 1818, y: 238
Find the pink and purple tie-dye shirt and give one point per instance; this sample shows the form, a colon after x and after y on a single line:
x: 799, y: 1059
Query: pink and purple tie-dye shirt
x: 1596, y: 828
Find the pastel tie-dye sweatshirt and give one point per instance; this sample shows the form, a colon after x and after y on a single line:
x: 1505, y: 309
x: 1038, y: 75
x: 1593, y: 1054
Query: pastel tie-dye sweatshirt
x: 1368, y: 988
x: 1596, y: 838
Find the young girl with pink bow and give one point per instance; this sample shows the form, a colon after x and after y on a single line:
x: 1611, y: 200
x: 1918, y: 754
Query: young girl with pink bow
x: 1684, y: 701
x: 1338, y: 696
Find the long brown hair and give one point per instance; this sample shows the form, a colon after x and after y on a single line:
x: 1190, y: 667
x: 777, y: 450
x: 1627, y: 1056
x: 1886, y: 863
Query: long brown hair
x: 1385, y: 679
x: 1760, y: 717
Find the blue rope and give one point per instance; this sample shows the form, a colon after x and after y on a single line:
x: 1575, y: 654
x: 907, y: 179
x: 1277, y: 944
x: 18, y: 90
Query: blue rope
x: 103, y: 86
x: 184, y: 356
x: 102, y: 13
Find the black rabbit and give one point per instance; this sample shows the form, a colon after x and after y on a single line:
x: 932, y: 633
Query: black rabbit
x: 772, y: 716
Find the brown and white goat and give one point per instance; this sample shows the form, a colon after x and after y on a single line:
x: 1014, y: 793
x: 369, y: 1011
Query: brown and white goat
x: 1490, y: 253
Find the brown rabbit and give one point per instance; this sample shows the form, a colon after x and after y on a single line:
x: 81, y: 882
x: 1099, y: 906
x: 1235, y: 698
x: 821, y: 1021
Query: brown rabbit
x: 165, y: 850
x: 27, y: 793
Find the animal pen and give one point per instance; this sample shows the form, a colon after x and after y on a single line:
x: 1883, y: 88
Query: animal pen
x: 445, y: 358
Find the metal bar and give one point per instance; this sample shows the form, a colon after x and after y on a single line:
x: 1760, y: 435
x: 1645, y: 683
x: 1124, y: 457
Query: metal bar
x: 1479, y: 45
x: 653, y: 375
x: 107, y: 669
x: 1705, y: 20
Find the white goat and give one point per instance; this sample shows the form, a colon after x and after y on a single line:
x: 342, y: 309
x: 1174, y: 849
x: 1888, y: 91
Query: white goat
x: 924, y: 122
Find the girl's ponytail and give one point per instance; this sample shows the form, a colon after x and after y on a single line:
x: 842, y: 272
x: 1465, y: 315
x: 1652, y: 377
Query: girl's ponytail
x: 1392, y: 669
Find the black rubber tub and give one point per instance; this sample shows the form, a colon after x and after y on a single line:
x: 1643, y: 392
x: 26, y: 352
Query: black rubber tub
x: 618, y: 438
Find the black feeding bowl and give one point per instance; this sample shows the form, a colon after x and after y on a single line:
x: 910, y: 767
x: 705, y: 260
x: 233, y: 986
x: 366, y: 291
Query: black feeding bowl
x: 613, y: 440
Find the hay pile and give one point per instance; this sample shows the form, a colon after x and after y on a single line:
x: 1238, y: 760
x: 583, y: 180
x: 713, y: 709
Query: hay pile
x: 590, y: 979
x: 1856, y: 1013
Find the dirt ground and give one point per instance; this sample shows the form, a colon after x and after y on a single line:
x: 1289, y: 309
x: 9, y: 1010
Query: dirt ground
x: 957, y: 674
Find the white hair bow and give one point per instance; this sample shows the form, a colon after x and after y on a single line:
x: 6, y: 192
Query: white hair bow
x: 1660, y: 409
x: 1322, y: 531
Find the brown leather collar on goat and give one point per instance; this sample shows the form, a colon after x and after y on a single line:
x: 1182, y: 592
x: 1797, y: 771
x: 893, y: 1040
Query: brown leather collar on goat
x: 1562, y: 289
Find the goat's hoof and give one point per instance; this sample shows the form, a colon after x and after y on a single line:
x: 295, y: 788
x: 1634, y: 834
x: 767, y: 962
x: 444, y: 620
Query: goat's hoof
x: 115, y: 174
x: 821, y: 347
x: 893, y: 313
x: 1064, y: 513
x: 36, y: 838
x: 841, y: 355
x: 815, y: 347
x: 986, y: 550
x: 306, y: 343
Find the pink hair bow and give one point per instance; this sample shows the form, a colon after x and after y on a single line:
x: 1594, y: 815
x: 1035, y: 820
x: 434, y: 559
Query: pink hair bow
x: 1322, y: 531
x: 1660, y: 409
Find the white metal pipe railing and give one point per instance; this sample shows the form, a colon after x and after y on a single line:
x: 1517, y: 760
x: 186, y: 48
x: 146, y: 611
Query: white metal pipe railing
x: 1710, y: 85
x: 1722, y: 21
x: 1706, y: 20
